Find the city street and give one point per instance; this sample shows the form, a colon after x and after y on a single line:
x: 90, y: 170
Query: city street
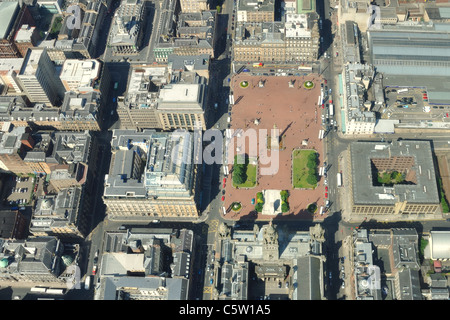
x: 338, y: 229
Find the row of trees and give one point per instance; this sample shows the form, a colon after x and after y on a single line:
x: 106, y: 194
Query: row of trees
x: 259, y: 202
x: 240, y: 171
x: 284, y: 201
x: 312, y: 168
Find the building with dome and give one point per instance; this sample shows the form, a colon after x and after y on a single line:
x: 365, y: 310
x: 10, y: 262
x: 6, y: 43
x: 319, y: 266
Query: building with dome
x: 59, y: 215
x: 128, y: 27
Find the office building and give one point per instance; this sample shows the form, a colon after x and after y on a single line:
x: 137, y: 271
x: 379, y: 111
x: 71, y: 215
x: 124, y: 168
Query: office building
x: 133, y: 265
x: 288, y: 6
x: 357, y: 80
x: 164, y: 98
x: 14, y: 224
x: 395, y: 180
x: 194, y: 5
x: 152, y: 175
x: 182, y: 106
x: 59, y: 215
x: 34, y: 260
x: 79, y: 112
x: 8, y: 69
x: 137, y: 109
x: 13, y: 17
x: 295, y: 40
x: 13, y: 147
x: 386, y: 264
x: 128, y: 27
x: 25, y: 38
x: 193, y: 34
x: 255, y: 11
x: 302, y: 37
x: 39, y: 80
x: 199, y: 64
x: 80, y: 75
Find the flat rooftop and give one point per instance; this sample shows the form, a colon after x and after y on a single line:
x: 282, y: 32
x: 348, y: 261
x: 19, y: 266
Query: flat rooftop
x: 31, y: 61
x: 422, y: 191
x: 255, y: 5
x: 180, y: 93
x: 7, y: 15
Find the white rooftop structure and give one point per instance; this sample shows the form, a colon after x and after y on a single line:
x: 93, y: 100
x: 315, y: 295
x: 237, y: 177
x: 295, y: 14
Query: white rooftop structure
x: 180, y: 93
x: 24, y: 33
x: 10, y: 64
x: 440, y: 245
x: 297, y: 26
x: 78, y: 75
x: 31, y: 64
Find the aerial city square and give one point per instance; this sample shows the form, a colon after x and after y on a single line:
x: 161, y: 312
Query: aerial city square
x: 219, y: 150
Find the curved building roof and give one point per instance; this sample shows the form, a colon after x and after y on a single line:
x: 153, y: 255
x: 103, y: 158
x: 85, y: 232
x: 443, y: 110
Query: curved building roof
x: 440, y: 244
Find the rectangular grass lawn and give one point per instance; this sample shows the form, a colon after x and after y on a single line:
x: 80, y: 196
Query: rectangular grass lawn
x: 251, y: 176
x: 300, y: 169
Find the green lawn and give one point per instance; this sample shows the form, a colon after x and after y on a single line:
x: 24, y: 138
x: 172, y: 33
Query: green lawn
x: 250, y: 182
x: 301, y: 170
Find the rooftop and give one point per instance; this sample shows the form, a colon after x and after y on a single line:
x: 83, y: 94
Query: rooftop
x: 81, y: 72
x: 256, y: 5
x: 8, y: 13
x: 423, y: 190
x: 31, y: 61
x: 166, y: 171
x: 418, y: 49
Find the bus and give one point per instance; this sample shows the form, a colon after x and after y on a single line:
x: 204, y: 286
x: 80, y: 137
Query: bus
x: 55, y: 291
x: 339, y: 179
x: 258, y: 65
x: 303, y: 68
x: 331, y: 108
x: 402, y: 90
x: 87, y: 283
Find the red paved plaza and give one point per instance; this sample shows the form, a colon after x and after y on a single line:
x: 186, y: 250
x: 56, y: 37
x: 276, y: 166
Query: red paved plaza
x: 293, y: 110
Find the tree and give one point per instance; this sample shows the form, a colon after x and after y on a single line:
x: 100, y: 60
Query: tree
x: 311, y: 179
x: 239, y: 174
x: 259, y: 207
x: 313, y: 157
x: 285, y: 207
x: 260, y: 197
x: 311, y: 165
x: 284, y: 195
